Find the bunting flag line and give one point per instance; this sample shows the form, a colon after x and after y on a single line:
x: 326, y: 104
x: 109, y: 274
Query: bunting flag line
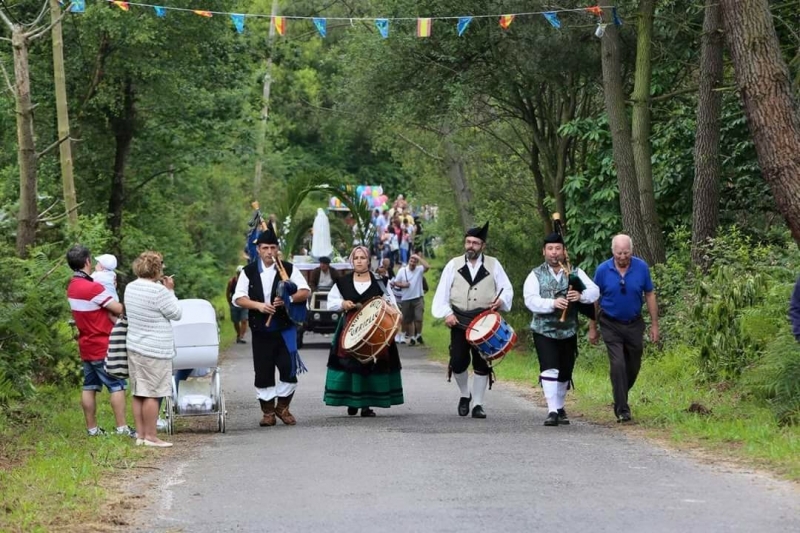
x: 322, y: 26
x: 552, y: 18
x: 506, y: 20
x: 595, y: 10
x: 463, y: 23
x: 160, y: 11
x: 202, y: 13
x: 238, y: 22
x: 424, y: 27
x: 383, y: 27
x: 280, y: 24
x: 78, y: 6
x: 122, y: 5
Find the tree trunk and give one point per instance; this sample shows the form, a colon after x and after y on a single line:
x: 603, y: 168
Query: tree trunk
x: 122, y: 126
x: 261, y: 141
x: 629, y: 199
x: 26, y: 151
x: 766, y: 91
x: 640, y: 130
x: 454, y: 165
x: 62, y: 113
x: 541, y: 192
x: 707, y: 167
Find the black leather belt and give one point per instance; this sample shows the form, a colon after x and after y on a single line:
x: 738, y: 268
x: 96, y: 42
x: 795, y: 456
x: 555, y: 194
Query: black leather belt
x: 618, y: 321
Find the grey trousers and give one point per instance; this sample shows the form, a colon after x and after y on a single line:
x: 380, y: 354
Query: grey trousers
x: 625, y: 344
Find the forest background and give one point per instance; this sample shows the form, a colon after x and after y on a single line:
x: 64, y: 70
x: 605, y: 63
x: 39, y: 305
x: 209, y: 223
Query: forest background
x: 655, y: 128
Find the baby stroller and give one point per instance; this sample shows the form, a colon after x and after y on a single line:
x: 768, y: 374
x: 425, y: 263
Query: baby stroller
x: 197, y: 348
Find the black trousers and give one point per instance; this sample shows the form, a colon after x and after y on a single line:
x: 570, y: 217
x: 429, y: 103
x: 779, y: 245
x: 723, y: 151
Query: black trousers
x: 557, y: 353
x: 269, y: 351
x: 625, y: 345
x: 462, y: 353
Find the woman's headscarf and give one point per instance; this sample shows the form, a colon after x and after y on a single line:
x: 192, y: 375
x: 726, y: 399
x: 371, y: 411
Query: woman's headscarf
x: 356, y: 249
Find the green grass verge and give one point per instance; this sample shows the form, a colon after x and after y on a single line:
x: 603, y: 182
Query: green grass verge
x: 736, y: 427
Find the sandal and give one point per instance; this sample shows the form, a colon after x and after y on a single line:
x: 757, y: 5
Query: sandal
x: 367, y: 412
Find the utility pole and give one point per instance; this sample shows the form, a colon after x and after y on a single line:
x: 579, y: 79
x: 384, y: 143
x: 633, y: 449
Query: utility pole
x: 261, y: 140
x: 62, y: 113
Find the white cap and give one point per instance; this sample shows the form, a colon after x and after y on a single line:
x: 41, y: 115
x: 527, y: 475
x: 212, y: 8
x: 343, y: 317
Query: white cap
x: 108, y: 261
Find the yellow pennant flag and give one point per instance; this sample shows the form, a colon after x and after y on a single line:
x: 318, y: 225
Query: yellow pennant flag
x: 202, y: 13
x: 506, y: 20
x: 280, y: 24
x: 122, y: 5
x: 424, y: 27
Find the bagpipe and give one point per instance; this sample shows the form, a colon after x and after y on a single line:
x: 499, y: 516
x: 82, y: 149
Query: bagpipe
x: 573, y: 280
x: 296, y: 312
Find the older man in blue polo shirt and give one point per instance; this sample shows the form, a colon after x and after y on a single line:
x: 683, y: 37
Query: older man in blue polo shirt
x: 625, y: 284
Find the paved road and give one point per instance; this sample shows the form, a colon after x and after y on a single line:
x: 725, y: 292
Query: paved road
x: 420, y: 467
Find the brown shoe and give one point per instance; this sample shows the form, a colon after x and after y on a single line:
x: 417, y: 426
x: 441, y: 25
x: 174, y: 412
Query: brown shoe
x: 282, y: 410
x: 268, y: 408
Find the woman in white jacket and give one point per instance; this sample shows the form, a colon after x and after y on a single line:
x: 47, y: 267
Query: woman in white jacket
x: 150, y: 304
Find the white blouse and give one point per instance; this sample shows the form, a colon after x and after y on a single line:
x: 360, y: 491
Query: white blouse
x: 335, y: 299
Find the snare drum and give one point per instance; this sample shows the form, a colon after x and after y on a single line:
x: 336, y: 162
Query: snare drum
x: 491, y: 335
x: 370, y: 330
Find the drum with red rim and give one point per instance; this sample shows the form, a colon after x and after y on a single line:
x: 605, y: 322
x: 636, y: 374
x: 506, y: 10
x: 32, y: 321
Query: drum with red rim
x: 370, y: 330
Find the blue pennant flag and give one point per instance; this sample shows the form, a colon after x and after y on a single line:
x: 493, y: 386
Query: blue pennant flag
x: 463, y: 22
x: 552, y: 18
x: 160, y: 11
x: 615, y: 16
x: 322, y: 26
x: 383, y: 27
x: 238, y: 22
x: 78, y: 6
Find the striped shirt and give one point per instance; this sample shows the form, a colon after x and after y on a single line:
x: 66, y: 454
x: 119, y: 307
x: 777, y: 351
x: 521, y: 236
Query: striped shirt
x: 87, y: 300
x: 150, y: 306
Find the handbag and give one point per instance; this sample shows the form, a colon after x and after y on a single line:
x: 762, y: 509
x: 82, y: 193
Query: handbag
x: 117, y: 356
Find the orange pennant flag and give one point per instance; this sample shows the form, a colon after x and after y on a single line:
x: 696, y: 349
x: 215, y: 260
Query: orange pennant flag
x: 202, y: 13
x: 506, y: 20
x: 595, y: 10
x: 122, y: 5
x: 280, y: 24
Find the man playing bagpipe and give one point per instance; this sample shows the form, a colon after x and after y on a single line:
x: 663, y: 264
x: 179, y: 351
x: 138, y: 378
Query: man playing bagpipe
x: 554, y: 294
x: 275, y: 293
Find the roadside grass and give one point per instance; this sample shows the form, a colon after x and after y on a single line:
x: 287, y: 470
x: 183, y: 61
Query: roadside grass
x: 52, y: 475
x: 668, y: 403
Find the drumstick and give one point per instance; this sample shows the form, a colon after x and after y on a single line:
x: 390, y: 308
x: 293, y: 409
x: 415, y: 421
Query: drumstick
x: 498, y: 295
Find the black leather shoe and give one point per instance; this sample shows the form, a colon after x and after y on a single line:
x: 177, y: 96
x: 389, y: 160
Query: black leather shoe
x: 552, y: 419
x: 624, y: 417
x: 352, y: 411
x: 563, y: 419
x: 367, y: 412
x: 463, y: 406
x: 478, y: 412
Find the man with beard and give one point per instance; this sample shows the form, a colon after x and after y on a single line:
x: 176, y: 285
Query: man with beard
x: 470, y: 284
x: 625, y: 284
x: 549, y: 291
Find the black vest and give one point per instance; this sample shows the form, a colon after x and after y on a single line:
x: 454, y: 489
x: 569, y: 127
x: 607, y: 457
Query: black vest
x: 348, y: 290
x: 255, y: 291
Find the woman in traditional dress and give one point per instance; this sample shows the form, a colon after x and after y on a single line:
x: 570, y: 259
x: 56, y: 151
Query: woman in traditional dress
x: 349, y: 382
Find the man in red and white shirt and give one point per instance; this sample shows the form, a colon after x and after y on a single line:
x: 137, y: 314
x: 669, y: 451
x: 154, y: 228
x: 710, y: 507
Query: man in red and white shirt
x: 90, y: 304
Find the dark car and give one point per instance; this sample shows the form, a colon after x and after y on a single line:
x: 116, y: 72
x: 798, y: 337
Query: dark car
x: 319, y: 319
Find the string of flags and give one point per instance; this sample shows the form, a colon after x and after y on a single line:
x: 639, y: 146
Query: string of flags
x: 424, y: 24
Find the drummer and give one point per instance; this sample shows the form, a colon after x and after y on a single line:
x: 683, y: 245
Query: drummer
x: 349, y: 382
x: 549, y: 291
x: 470, y: 284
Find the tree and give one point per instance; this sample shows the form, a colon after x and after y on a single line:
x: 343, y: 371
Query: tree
x: 705, y: 206
x: 765, y: 87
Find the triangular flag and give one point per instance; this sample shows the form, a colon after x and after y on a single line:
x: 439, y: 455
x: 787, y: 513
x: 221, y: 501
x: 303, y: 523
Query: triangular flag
x: 206, y: 14
x: 615, y: 16
x: 424, y: 27
x: 595, y: 10
x: 506, y: 20
x: 463, y: 22
x: 238, y: 22
x: 383, y: 27
x: 122, y: 5
x: 78, y: 6
x: 552, y: 18
x: 322, y: 26
x: 280, y: 24
x: 160, y: 11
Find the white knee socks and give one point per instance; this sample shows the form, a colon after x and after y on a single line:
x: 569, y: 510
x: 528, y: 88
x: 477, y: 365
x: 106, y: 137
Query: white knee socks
x: 462, y: 380
x: 479, y: 384
x: 550, y: 387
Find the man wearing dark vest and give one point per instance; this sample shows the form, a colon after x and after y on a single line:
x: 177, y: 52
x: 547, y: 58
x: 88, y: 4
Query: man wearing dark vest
x: 260, y: 289
x: 470, y: 284
x: 548, y: 292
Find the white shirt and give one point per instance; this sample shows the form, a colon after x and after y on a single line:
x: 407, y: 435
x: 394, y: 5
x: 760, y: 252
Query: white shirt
x: 267, y: 279
x: 335, y: 299
x: 441, y: 300
x: 325, y: 279
x: 414, y: 279
x: 537, y: 304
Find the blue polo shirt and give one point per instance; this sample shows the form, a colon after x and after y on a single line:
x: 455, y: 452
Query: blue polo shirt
x: 637, y: 281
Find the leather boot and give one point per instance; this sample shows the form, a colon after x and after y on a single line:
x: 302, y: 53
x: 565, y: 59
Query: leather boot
x: 282, y: 410
x: 268, y: 408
